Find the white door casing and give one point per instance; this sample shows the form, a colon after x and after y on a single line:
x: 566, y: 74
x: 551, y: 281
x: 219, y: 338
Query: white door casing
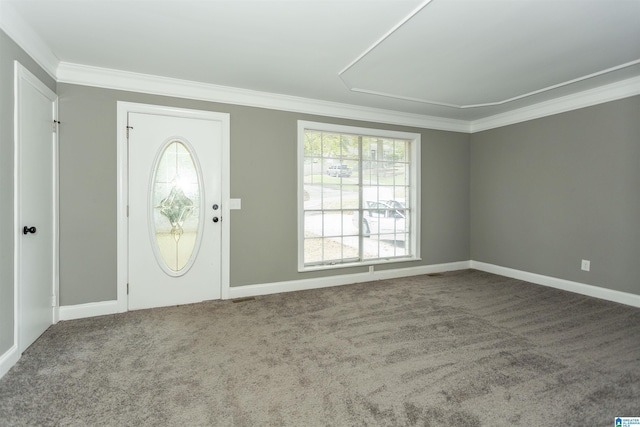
x: 151, y: 281
x: 36, y: 207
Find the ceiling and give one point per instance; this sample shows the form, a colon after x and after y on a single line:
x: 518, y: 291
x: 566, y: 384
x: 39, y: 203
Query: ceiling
x: 454, y: 59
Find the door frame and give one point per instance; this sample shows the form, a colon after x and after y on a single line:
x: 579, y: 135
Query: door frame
x: 123, y: 110
x: 22, y: 76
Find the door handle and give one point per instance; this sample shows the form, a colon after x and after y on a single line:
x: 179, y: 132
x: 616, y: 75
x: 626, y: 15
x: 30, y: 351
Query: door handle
x: 27, y: 230
x: 216, y: 219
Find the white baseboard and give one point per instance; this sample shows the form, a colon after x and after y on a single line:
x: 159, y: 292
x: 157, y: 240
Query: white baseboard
x: 566, y: 285
x: 344, y: 279
x: 8, y: 359
x: 92, y: 309
x: 111, y: 307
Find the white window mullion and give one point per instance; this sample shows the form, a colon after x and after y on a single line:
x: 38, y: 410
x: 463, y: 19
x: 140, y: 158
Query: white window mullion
x: 360, y: 212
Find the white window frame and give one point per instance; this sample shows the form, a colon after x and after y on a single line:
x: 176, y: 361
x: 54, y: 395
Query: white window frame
x: 414, y: 191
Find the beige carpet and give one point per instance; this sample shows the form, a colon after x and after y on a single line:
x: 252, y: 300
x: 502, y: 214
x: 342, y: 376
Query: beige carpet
x: 463, y: 349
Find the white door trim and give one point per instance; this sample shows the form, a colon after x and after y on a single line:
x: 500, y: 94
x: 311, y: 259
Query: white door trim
x: 22, y: 77
x: 123, y: 109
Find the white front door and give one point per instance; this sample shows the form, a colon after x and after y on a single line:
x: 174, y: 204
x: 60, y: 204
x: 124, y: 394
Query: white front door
x: 36, y: 192
x: 175, y: 172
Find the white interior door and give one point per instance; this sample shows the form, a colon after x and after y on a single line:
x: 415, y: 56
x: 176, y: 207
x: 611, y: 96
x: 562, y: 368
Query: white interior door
x: 174, y: 209
x: 36, y: 193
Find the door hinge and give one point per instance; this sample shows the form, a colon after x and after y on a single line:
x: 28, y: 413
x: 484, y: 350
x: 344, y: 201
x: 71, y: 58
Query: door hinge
x: 55, y: 125
x: 53, y: 300
x: 127, y: 211
x: 128, y: 127
x: 127, y: 289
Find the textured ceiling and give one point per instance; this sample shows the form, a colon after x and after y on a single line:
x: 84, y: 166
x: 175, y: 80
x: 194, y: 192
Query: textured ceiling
x: 446, y: 58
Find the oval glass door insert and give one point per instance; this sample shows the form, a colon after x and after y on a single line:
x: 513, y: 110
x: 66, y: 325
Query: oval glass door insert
x: 175, y: 216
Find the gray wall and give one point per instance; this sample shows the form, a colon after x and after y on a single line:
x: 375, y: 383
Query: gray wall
x: 9, y: 52
x: 263, y: 175
x: 550, y: 192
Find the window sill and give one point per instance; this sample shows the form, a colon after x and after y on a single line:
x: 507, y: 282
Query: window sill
x: 307, y: 269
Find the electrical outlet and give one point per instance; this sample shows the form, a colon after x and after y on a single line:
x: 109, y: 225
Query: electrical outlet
x: 586, y: 265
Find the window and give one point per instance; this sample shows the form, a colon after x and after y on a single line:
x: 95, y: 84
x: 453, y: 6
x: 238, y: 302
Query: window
x: 174, y: 207
x: 358, y: 200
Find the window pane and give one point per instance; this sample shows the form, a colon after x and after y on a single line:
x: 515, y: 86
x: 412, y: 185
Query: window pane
x: 371, y: 248
x: 401, y: 195
x: 312, y: 196
x: 351, y: 247
x: 332, y: 249
x: 369, y: 194
x: 332, y: 224
x: 350, y: 197
x: 313, y: 144
x: 400, y: 151
x: 375, y: 148
x: 387, y: 150
x: 370, y: 173
x: 312, y: 251
x: 339, y: 170
x: 313, y: 224
x: 369, y: 149
x: 350, y: 147
x: 312, y: 170
x: 175, y: 206
x: 331, y: 147
x: 401, y: 174
x: 349, y: 226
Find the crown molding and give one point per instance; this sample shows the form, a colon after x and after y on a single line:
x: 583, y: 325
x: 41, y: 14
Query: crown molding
x: 611, y: 92
x: 24, y: 36
x: 157, y: 85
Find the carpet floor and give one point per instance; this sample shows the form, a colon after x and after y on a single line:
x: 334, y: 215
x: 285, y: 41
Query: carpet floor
x: 465, y: 348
